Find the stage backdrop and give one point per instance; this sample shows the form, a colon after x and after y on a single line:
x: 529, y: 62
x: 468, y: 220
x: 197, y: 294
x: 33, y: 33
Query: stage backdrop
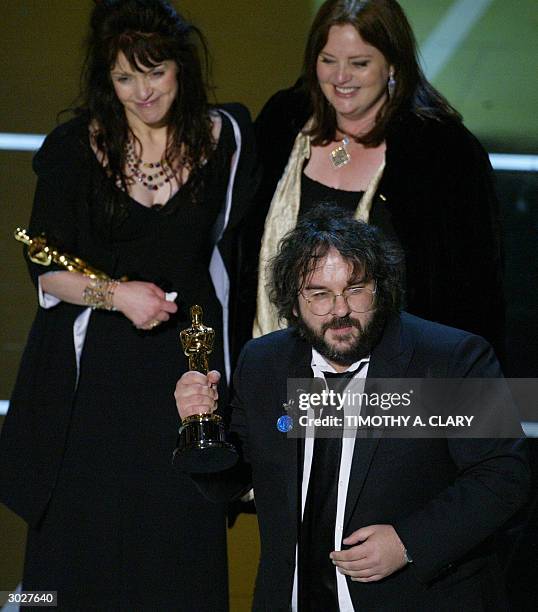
x: 480, y: 53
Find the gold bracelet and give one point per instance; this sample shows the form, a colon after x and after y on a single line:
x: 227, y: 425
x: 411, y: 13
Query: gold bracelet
x: 100, y: 293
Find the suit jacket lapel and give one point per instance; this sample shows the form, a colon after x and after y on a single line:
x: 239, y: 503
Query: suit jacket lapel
x: 299, y: 367
x: 389, y: 359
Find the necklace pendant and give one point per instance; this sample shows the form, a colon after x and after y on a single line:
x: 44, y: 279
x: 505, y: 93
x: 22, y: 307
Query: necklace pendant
x: 340, y: 156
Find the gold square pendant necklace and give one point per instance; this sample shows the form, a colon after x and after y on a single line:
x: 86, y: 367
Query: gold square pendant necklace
x: 340, y: 156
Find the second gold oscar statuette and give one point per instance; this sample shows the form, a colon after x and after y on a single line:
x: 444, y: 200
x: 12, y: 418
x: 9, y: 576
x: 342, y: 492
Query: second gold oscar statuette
x: 42, y: 252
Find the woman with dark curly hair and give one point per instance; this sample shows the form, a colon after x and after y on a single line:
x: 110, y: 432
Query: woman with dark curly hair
x: 365, y: 129
x: 149, y: 184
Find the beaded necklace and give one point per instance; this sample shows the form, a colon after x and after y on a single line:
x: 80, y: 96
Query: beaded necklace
x: 151, y: 180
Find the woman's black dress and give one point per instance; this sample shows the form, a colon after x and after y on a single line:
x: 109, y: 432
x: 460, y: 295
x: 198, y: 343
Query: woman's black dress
x: 123, y: 529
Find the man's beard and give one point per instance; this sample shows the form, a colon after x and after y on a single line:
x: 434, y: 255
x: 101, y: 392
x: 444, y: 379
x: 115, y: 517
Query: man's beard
x: 368, y: 337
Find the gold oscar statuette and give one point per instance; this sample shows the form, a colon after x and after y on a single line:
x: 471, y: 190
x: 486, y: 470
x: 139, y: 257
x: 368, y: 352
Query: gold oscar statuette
x: 202, y: 445
x: 41, y: 252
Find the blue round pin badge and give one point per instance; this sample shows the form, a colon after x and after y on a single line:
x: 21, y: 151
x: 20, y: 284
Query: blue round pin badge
x: 284, y: 423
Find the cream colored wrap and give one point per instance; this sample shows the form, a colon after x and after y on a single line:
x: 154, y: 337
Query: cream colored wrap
x: 282, y: 217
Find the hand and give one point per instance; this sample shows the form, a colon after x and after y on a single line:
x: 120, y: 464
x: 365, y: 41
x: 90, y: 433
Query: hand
x: 378, y: 554
x: 196, y: 393
x: 144, y: 304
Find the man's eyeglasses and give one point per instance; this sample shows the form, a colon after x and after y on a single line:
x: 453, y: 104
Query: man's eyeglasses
x: 358, y: 299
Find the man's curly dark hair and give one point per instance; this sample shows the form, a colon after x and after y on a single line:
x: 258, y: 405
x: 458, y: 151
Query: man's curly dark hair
x: 364, y: 246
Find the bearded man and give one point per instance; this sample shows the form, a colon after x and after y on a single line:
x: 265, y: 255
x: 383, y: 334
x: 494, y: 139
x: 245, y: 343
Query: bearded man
x: 373, y: 523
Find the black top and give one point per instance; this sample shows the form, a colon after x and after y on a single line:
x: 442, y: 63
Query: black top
x: 314, y: 193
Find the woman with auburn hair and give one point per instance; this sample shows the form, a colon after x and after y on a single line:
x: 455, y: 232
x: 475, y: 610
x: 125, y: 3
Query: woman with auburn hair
x: 368, y: 132
x: 148, y: 183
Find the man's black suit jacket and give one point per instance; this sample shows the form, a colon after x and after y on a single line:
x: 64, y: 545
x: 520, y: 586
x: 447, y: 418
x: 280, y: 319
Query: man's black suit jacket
x: 445, y: 497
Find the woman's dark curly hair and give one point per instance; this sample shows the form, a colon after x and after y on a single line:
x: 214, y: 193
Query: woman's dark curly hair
x: 148, y: 32
x: 382, y: 24
x: 326, y: 227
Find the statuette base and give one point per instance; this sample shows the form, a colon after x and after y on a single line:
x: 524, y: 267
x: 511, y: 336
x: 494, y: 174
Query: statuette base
x: 202, y: 446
